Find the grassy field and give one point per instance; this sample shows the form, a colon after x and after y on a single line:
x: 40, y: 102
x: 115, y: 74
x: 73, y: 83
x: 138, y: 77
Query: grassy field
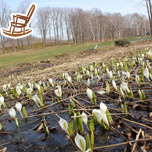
x: 33, y: 55
x: 39, y: 54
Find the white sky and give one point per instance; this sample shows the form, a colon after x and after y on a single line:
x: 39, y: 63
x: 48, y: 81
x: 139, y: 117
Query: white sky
x: 111, y: 6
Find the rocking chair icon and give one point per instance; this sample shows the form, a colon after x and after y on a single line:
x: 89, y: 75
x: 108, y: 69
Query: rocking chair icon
x: 18, y: 26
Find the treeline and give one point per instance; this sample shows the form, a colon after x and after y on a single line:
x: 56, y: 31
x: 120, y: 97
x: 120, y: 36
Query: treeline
x: 82, y: 26
x: 75, y: 25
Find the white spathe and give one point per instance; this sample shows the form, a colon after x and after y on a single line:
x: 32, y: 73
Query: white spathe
x: 12, y: 112
x: 18, y: 106
x: 18, y: 90
x: 84, y: 118
x: 37, y: 86
x: 101, y: 92
x: 124, y: 87
x: 36, y: 99
x: 4, y: 87
x: 146, y: 73
x: 29, y: 90
x: 97, y: 114
x: 104, y: 117
x: 90, y: 93
x: 64, y: 124
x: 1, y: 100
x: 114, y: 84
x: 58, y: 91
x: 103, y: 107
x: 80, y: 142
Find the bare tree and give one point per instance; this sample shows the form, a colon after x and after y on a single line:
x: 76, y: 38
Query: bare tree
x: 22, y: 9
x: 149, y: 10
x: 5, y: 15
x: 43, y: 22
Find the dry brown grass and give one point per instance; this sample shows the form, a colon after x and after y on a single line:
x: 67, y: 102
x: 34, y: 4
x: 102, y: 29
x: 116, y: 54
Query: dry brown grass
x: 65, y: 63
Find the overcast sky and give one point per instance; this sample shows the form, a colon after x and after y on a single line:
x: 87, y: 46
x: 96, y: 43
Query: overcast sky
x: 106, y: 6
x: 111, y: 6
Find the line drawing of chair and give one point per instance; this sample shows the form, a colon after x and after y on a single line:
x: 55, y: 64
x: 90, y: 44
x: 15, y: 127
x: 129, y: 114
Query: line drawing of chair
x: 18, y: 26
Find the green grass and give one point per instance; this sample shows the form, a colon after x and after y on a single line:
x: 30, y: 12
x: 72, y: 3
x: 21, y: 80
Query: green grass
x: 38, y: 53
x: 33, y: 55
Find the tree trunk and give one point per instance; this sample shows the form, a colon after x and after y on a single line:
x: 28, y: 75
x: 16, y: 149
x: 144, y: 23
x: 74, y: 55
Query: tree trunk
x: 22, y: 44
x: 3, y: 46
x: 13, y: 46
x: 18, y: 43
x: 92, y: 30
x: 28, y: 41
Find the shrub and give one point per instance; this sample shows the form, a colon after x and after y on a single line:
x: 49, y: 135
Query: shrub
x: 122, y: 42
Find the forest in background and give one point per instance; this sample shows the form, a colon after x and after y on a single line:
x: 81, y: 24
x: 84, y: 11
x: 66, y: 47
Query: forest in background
x: 73, y: 25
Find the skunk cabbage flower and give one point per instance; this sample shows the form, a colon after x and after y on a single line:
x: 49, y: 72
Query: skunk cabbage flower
x: 110, y: 74
x: 107, y: 87
x: 29, y: 91
x: 19, y: 107
x: 69, y: 79
x: 114, y: 84
x: 121, y: 64
x: 20, y: 86
x: 128, y: 75
x: 36, y: 99
x: 122, y: 93
x: 18, y: 91
x: 40, y: 82
x: 52, y: 82
x: 9, y: 85
x: 96, y: 47
x: 137, y: 78
x: 124, y: 87
x: 38, y: 87
x: 95, y: 72
x: 58, y: 91
x: 88, y: 82
x: 103, y: 107
x: 12, y: 113
x: 91, y: 68
x: 30, y: 85
x: 80, y: 142
x: 149, y: 53
x: 4, y: 87
x: 84, y: 118
x: 1, y: 100
x: 146, y: 73
x: 104, y: 117
x: 97, y: 114
x: 64, y: 125
x: 90, y: 93
x: 101, y: 92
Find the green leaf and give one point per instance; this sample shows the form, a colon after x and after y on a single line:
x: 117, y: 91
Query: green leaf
x: 24, y: 112
x: 131, y: 93
x: 94, y: 98
x: 109, y: 117
x: 88, y: 144
x: 124, y: 108
x: 104, y: 125
x: 41, y: 99
x: 91, y: 126
x: 79, y: 122
x: 71, y: 128
x: 142, y: 74
x: 92, y: 139
x: 1, y: 93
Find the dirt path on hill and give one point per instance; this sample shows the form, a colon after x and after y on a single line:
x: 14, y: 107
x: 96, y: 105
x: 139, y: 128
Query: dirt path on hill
x: 64, y: 63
